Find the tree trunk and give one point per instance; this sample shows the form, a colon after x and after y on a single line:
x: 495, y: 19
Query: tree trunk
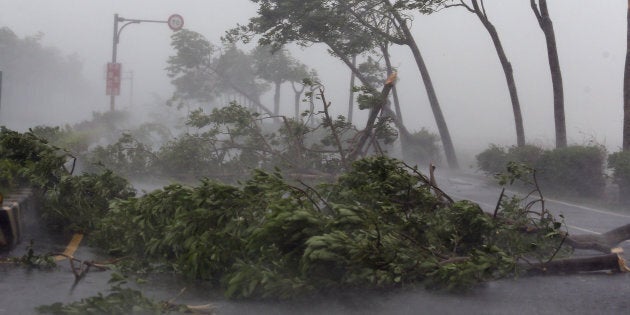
x: 374, y: 111
x: 296, y: 99
x: 367, y: 132
x: 600, y: 242
x: 352, y: 80
x: 404, y: 134
x: 390, y: 70
x: 577, y: 265
x: 605, y: 243
x: 542, y: 14
x: 276, y: 99
x: 509, y: 73
x: 626, y: 89
x: 445, y: 135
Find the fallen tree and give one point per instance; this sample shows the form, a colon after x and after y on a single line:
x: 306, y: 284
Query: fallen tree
x: 606, y: 243
x: 381, y: 224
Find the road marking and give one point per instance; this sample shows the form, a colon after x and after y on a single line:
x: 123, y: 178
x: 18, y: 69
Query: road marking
x: 71, y: 248
x: 566, y: 204
x: 582, y: 229
x: 569, y: 226
x: 590, y: 209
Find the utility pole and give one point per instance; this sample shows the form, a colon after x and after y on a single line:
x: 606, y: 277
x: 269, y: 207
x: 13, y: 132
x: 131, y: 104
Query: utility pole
x: 175, y: 22
x: 1, y: 88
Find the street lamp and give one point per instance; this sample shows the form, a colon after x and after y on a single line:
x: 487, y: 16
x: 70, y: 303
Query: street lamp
x: 175, y: 22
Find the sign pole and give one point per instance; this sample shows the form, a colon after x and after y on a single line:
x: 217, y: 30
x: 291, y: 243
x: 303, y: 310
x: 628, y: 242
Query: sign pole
x: 175, y: 22
x: 112, y: 97
x: 0, y: 89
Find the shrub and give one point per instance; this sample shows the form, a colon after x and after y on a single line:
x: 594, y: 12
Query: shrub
x: 620, y: 163
x: 423, y: 147
x: 574, y: 170
x: 78, y: 203
x: 495, y: 159
x: 528, y: 154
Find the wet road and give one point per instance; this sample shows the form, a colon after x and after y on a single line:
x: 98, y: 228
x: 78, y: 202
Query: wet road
x: 22, y: 290
x: 579, y: 218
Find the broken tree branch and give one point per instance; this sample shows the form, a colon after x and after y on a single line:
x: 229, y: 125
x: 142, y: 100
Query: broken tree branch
x: 365, y: 135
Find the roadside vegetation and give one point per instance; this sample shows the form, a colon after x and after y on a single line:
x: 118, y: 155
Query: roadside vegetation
x: 571, y: 171
x: 377, y: 224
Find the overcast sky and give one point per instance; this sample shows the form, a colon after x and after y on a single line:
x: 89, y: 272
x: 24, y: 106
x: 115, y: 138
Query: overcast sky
x: 466, y: 72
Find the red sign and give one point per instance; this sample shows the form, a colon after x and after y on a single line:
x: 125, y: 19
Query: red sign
x: 175, y: 22
x: 113, y: 79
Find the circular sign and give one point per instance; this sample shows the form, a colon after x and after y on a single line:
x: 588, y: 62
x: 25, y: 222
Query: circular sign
x: 175, y: 22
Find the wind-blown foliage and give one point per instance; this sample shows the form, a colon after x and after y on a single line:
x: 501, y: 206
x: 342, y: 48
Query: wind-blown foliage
x: 379, y: 225
x: 70, y: 202
x: 348, y: 28
x: 29, y: 160
x: 201, y: 72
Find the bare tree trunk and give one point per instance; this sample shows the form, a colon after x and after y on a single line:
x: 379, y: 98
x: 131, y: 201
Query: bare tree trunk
x: 626, y: 89
x: 352, y: 80
x: 542, y: 15
x: 600, y: 242
x: 390, y: 70
x: 507, y: 69
x: 367, y: 132
x: 445, y: 135
x: 605, y: 243
x: 296, y: 98
x: 404, y: 133
x: 577, y: 265
x: 374, y: 111
x: 276, y: 99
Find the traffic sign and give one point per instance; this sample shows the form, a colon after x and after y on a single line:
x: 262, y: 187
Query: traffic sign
x: 175, y: 22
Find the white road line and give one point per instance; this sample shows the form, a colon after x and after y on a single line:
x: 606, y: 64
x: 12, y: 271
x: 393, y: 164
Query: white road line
x: 582, y: 229
x: 590, y: 209
x: 580, y: 206
x: 626, y: 216
x: 569, y: 226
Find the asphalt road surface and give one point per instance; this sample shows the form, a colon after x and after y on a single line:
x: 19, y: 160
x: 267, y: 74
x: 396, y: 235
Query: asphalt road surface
x: 579, y: 218
x: 22, y: 290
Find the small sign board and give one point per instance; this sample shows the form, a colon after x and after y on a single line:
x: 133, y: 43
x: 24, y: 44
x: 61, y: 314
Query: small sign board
x: 113, y: 79
x: 175, y: 22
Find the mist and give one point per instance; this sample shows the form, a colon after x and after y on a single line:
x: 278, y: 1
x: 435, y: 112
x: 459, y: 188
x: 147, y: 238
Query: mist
x: 265, y: 169
x: 458, y: 52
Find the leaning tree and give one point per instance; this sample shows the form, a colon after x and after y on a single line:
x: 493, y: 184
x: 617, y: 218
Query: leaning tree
x: 347, y: 28
x: 478, y: 8
x: 200, y: 71
x: 389, y: 21
x: 541, y: 12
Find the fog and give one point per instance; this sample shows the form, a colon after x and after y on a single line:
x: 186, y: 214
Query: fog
x: 466, y: 73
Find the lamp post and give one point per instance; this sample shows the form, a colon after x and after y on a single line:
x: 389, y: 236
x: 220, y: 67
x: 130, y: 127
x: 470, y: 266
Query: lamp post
x: 175, y: 22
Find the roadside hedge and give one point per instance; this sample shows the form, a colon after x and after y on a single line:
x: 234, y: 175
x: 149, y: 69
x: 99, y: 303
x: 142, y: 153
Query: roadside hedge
x: 574, y: 170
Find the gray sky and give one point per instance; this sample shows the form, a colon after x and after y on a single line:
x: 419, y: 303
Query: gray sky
x: 458, y: 51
